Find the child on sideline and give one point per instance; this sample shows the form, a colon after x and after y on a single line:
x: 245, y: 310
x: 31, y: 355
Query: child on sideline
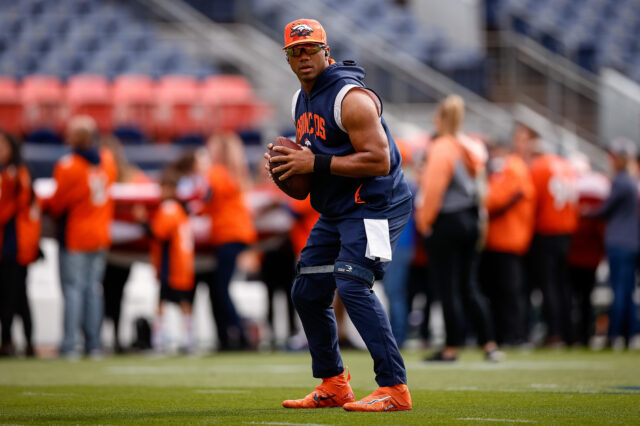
x: 172, y: 254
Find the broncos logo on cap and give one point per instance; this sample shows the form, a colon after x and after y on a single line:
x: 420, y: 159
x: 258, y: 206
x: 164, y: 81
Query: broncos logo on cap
x: 301, y: 30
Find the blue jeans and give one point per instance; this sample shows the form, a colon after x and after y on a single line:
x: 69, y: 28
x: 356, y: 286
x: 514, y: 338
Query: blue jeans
x: 622, y: 275
x: 228, y: 323
x: 395, y: 282
x: 81, y: 276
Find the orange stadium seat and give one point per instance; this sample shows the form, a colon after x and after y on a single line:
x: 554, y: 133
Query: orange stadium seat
x: 10, y: 106
x: 91, y: 94
x: 178, y: 111
x: 229, y: 103
x: 42, y: 98
x: 133, y: 103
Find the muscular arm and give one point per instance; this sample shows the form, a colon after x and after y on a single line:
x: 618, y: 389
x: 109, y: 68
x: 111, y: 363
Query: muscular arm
x: 361, y: 120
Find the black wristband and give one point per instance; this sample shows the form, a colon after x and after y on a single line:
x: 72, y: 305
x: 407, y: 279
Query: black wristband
x: 322, y: 164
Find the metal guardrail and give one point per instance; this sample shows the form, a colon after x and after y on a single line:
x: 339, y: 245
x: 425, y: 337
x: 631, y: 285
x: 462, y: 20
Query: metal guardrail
x: 558, y: 89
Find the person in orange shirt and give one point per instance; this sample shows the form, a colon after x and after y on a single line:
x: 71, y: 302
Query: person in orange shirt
x: 83, y: 208
x: 173, y: 256
x: 510, y: 206
x: 232, y: 231
x: 29, y: 230
x: 15, y: 190
x: 447, y: 213
x: 556, y: 218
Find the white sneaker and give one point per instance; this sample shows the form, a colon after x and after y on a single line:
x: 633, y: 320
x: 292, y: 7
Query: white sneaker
x: 96, y: 355
x: 494, y: 356
x: 618, y: 344
x: 634, y: 343
x: 598, y: 343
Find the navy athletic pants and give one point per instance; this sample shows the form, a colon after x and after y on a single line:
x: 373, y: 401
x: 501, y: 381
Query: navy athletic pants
x: 343, y: 243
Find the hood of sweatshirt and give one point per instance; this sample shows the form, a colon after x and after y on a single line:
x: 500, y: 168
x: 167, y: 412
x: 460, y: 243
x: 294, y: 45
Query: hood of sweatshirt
x: 335, y: 72
x: 90, y: 154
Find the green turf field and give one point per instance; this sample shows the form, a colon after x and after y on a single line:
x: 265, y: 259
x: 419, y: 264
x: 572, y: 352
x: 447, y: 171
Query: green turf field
x: 555, y: 387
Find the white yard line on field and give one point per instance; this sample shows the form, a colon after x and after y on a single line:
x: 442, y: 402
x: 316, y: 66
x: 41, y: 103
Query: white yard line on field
x: 47, y: 394
x: 511, y: 365
x: 285, y: 423
x: 482, y: 419
x: 167, y: 369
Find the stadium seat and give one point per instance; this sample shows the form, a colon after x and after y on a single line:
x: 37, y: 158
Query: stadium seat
x: 178, y: 112
x: 367, y: 13
x: 32, y: 7
x: 465, y: 66
x: 136, y: 39
x: 229, y: 103
x: 133, y: 106
x: 10, y: 23
x: 10, y: 106
x: 598, y: 33
x: 42, y: 97
x: 65, y: 38
x: 91, y: 94
x: 83, y: 38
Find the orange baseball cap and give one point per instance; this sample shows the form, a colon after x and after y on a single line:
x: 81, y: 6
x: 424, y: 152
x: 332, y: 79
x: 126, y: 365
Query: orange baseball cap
x: 302, y: 31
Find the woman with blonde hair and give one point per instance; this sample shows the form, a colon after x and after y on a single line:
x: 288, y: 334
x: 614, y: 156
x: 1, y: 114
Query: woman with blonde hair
x: 232, y: 230
x: 447, y: 214
x: 226, y: 149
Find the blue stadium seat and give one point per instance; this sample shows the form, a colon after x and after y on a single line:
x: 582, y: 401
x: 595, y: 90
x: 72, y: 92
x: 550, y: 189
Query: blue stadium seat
x: 10, y: 24
x: 54, y: 24
x: 9, y: 67
x: 268, y: 12
x: 135, y: 39
x: 580, y: 47
x: 6, y: 44
x: 35, y: 39
x: 82, y: 38
x: 516, y: 13
x: 465, y: 66
x: 339, y: 4
x: 613, y: 56
x: 26, y: 62
x: 341, y: 51
x: 593, y: 33
x: 367, y: 13
x: 79, y: 7
x: 31, y: 7
x: 52, y: 65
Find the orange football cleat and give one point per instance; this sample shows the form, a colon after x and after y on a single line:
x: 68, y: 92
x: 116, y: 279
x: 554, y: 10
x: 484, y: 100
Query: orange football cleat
x: 392, y: 398
x: 333, y: 392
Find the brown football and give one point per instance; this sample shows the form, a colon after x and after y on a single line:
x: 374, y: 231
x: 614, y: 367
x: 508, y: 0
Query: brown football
x: 296, y: 186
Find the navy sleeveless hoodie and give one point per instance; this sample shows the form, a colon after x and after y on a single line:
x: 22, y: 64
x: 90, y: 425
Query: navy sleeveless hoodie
x: 317, y: 128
